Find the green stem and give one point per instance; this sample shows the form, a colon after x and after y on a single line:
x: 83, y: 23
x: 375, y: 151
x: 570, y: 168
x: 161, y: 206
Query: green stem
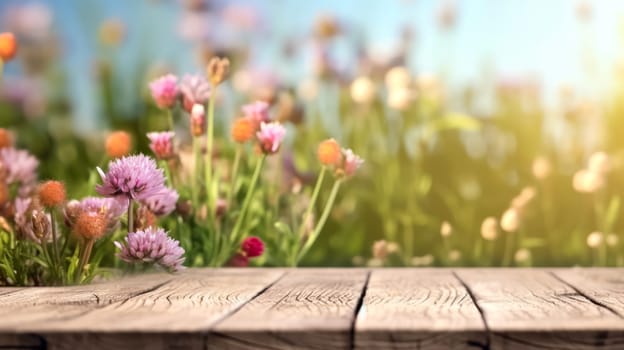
x: 55, y: 252
x: 130, y: 216
x: 165, y: 165
x: 209, y: 145
x: 315, y: 193
x: 194, y: 182
x: 508, y: 249
x: 250, y: 191
x: 170, y: 119
x: 233, y: 175
x: 322, y: 220
x: 84, y: 258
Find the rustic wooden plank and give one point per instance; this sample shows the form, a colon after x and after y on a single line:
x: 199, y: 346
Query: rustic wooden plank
x: 306, y: 309
x: 604, y: 286
x: 531, y: 309
x: 37, y: 304
x: 96, y: 293
x: 418, y: 308
x: 173, y: 315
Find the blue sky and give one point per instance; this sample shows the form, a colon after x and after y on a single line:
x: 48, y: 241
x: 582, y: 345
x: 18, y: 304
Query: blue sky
x: 515, y: 38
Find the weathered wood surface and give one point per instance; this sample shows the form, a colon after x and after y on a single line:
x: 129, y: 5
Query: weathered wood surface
x: 416, y: 309
x: 306, y: 309
x: 324, y: 309
x: 535, y: 310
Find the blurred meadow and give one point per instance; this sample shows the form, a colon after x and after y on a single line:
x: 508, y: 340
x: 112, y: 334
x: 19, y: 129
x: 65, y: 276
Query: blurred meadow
x: 492, y: 130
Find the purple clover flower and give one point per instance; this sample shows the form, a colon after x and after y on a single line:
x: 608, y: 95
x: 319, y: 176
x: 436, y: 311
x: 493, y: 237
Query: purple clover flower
x: 20, y: 167
x: 135, y: 177
x: 152, y: 246
x: 162, y: 203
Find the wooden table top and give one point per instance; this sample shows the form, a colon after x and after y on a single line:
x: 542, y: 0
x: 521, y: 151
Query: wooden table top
x: 337, y: 308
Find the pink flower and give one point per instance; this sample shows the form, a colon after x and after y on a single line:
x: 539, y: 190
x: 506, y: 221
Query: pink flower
x: 252, y: 246
x: 198, y: 120
x: 352, y: 162
x: 165, y: 91
x: 195, y: 89
x: 270, y: 137
x: 161, y: 143
x: 257, y: 111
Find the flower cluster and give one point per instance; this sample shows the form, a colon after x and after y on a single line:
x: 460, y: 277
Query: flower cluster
x: 152, y: 246
x: 138, y: 178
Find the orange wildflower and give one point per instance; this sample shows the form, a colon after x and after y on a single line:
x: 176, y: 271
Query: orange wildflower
x: 90, y: 226
x: 8, y: 46
x: 329, y: 152
x: 5, y: 138
x: 52, y: 193
x: 118, y: 144
x: 243, y: 130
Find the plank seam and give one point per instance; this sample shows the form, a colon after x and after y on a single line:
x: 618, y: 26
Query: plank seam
x: 237, y: 309
x: 358, y: 308
x: 585, y: 295
x: 488, y: 333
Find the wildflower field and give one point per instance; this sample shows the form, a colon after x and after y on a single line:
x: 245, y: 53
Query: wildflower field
x: 223, y: 151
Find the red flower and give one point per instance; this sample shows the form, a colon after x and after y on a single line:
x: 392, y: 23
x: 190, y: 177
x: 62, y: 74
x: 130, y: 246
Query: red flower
x: 252, y: 246
x: 238, y: 260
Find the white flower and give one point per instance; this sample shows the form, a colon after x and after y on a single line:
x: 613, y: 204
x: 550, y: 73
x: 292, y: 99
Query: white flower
x: 489, y: 228
x: 510, y: 221
x: 595, y: 239
x: 363, y: 90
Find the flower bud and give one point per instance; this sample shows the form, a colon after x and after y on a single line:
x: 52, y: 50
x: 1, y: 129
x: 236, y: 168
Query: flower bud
x: 41, y: 225
x: 217, y: 70
x: 198, y: 120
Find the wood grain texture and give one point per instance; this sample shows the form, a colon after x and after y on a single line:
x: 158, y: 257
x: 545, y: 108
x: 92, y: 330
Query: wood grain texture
x: 306, y: 309
x: 604, y: 286
x: 174, y: 314
x: 413, y: 309
x: 531, y: 309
